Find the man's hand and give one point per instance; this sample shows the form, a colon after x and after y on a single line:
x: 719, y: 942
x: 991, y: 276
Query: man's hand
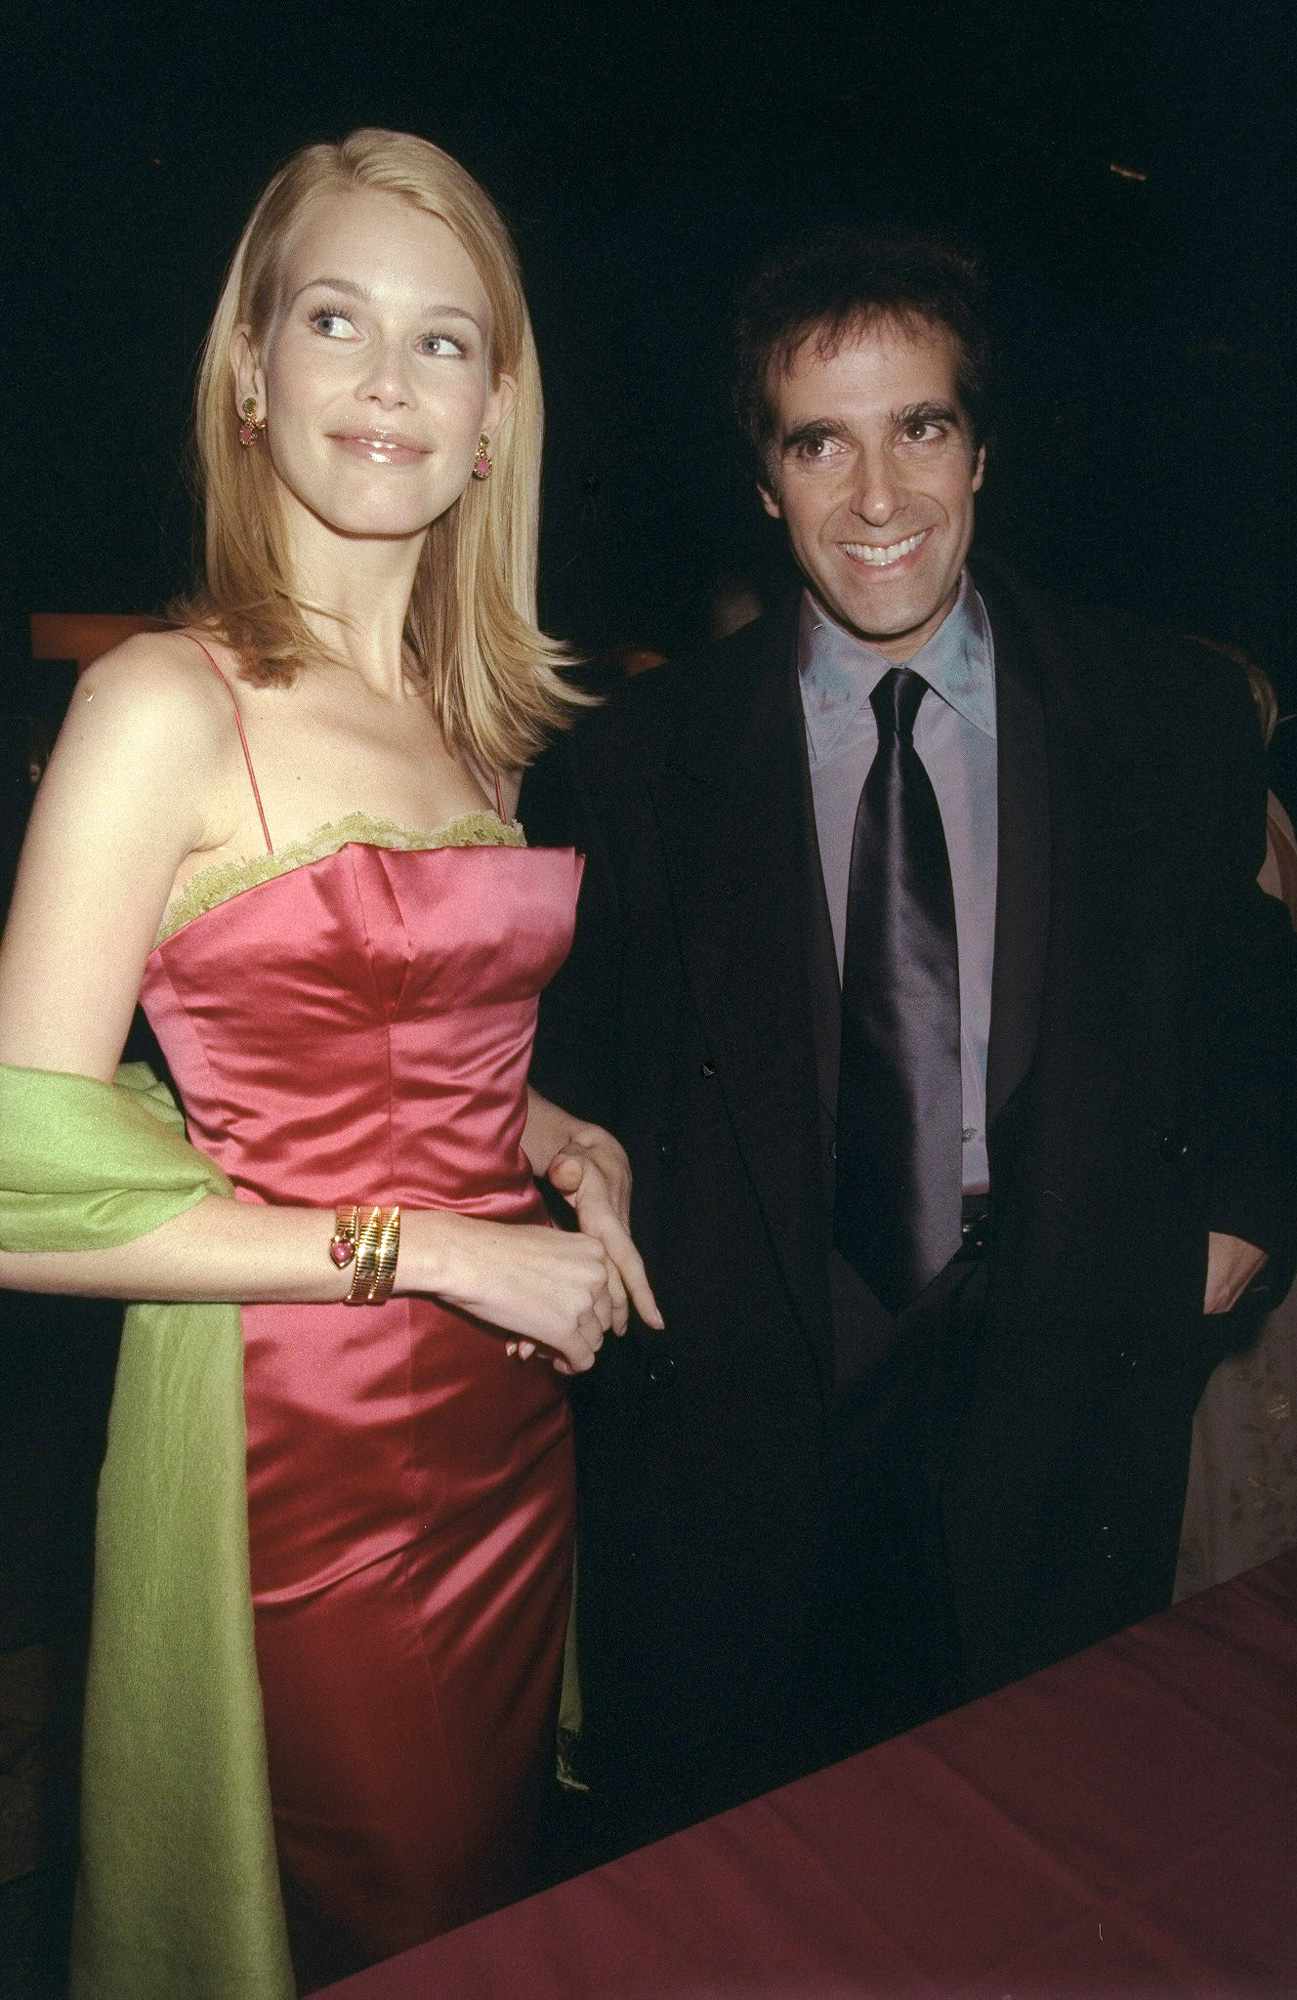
x: 1231, y: 1266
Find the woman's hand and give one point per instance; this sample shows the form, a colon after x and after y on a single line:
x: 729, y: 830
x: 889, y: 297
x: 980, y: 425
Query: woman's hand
x: 1231, y: 1266
x: 592, y: 1173
x: 554, y: 1289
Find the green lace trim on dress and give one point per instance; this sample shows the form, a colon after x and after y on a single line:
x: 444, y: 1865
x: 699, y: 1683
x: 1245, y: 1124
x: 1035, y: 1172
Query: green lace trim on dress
x: 225, y: 879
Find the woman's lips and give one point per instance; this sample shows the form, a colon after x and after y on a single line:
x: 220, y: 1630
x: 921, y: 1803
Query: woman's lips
x: 381, y: 447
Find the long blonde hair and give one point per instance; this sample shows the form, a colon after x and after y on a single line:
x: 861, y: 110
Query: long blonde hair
x: 491, y: 675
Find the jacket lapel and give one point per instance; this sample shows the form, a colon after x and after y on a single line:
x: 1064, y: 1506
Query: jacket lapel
x: 1022, y: 901
x: 732, y: 810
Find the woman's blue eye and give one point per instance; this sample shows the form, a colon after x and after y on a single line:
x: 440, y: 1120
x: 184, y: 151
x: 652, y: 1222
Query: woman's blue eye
x: 327, y: 319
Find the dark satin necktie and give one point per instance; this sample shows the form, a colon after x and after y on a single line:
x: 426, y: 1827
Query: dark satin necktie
x: 899, y: 1161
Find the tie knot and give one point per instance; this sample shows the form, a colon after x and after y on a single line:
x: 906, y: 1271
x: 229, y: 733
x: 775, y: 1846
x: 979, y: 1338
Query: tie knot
x: 895, y: 701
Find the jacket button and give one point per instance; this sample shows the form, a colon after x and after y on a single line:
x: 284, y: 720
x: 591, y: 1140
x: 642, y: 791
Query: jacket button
x: 707, y: 1069
x: 661, y: 1370
x: 1172, y: 1145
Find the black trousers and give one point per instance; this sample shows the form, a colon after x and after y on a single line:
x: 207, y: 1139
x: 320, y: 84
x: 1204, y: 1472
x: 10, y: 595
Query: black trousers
x: 886, y: 1652
x: 866, y: 1648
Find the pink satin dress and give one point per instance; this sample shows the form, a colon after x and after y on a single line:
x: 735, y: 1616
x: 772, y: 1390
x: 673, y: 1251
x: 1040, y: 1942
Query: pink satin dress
x: 355, y: 1022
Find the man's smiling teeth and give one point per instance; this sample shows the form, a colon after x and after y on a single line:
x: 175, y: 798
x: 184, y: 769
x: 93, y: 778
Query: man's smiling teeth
x: 883, y: 558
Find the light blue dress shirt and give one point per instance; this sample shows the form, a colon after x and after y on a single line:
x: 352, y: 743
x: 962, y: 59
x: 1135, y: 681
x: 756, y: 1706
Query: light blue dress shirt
x: 955, y: 737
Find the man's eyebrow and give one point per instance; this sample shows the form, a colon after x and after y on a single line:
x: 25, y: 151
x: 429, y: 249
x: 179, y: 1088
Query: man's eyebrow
x: 812, y: 429
x: 439, y: 309
x: 927, y: 413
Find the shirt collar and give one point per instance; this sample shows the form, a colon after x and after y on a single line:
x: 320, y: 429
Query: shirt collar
x: 839, y: 672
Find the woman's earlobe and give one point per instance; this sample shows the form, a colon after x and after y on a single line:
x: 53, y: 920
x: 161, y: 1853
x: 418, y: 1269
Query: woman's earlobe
x: 249, y: 381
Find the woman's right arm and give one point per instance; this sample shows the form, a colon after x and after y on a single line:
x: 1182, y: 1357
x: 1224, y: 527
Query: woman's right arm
x: 135, y: 785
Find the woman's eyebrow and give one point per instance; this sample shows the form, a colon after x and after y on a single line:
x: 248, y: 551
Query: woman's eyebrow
x: 441, y: 309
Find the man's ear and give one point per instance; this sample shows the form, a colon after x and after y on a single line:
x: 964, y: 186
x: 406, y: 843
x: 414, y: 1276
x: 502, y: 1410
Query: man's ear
x: 770, y: 501
x: 979, y: 468
x: 249, y: 376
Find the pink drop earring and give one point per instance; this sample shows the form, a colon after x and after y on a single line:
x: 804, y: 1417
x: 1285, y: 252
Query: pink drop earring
x: 483, y: 464
x: 253, y: 426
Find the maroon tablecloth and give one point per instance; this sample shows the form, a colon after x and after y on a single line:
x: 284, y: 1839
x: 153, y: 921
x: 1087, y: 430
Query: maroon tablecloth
x: 1122, y: 1822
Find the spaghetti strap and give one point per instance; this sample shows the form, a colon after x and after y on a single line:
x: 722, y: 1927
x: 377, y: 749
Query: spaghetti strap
x: 238, y: 723
x: 499, y: 796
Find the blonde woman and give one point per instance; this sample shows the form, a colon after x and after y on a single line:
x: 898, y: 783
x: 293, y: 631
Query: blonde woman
x: 287, y: 827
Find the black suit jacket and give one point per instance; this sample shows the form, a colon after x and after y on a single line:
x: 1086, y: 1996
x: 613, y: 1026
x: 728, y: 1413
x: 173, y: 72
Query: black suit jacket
x: 1140, y: 1093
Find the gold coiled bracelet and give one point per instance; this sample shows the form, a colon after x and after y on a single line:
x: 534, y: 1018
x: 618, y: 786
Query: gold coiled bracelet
x: 370, y: 1238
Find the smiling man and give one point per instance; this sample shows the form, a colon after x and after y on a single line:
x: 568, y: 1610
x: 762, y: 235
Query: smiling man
x: 921, y: 968
x: 870, y: 460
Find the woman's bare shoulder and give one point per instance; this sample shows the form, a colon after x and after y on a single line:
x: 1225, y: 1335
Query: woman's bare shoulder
x: 160, y: 661
x: 160, y: 686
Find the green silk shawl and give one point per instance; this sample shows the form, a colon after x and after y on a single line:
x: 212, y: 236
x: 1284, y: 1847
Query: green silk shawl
x: 178, y: 1892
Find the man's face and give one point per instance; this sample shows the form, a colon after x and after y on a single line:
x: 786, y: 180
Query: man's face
x: 872, y: 469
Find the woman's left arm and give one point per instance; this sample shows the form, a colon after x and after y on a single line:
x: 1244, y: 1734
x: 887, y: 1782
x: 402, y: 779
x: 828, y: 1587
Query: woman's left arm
x: 592, y: 1173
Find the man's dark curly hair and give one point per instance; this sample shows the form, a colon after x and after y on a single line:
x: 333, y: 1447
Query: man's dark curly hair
x: 837, y: 285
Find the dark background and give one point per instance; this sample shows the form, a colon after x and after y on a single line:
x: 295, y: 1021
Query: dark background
x: 643, y: 155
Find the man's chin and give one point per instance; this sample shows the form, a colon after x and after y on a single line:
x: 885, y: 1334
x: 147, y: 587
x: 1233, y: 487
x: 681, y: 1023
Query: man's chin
x: 886, y: 633
x: 898, y: 630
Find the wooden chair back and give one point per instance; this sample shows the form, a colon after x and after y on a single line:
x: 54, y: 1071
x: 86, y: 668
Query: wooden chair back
x: 83, y: 635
